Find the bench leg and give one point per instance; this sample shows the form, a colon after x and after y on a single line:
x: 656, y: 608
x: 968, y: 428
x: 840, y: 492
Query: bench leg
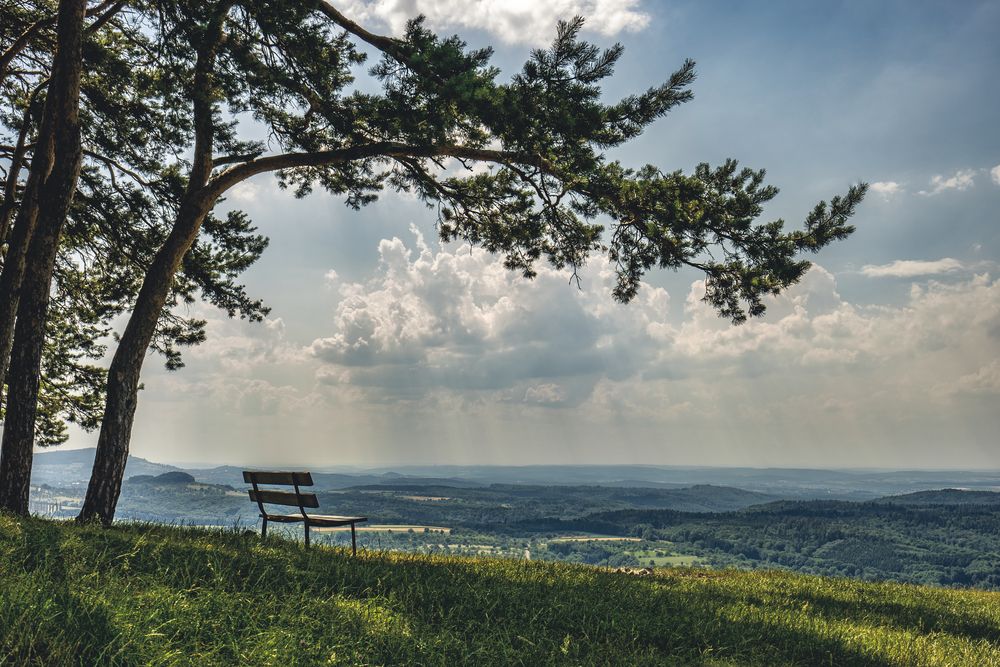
x: 354, y: 542
x: 263, y: 529
x: 307, y: 536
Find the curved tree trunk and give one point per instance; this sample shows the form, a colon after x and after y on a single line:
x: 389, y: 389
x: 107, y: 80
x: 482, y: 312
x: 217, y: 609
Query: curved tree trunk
x: 54, y: 191
x: 123, y: 374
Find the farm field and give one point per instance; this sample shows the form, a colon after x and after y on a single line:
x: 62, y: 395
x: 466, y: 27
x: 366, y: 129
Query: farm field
x: 386, y: 528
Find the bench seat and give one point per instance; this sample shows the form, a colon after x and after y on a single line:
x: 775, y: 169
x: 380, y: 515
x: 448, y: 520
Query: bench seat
x: 315, y: 519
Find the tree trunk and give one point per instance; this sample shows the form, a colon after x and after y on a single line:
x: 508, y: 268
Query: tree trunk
x: 54, y: 193
x: 126, y: 367
x: 123, y: 374
x: 29, y: 338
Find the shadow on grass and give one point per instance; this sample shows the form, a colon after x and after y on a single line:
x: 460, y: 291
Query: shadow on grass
x: 922, y: 618
x: 78, y: 632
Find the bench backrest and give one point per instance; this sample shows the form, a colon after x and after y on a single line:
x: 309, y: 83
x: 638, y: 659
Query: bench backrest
x: 275, y: 497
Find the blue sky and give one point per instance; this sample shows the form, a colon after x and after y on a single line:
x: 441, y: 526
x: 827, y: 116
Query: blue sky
x: 385, y: 347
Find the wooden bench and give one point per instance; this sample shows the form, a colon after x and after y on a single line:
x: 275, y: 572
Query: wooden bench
x: 294, y: 499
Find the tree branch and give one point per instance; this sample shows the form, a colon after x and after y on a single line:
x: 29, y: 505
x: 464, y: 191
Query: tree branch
x: 112, y: 163
x: 112, y: 7
x: 21, y: 42
x: 388, y: 45
x: 387, y: 149
x: 29, y: 33
x: 16, y: 160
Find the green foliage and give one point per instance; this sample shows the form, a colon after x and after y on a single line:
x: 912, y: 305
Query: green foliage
x: 927, y: 544
x: 134, y: 125
x: 153, y: 595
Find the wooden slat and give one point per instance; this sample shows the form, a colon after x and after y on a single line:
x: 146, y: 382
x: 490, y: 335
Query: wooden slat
x: 321, y: 520
x: 275, y: 477
x: 284, y: 498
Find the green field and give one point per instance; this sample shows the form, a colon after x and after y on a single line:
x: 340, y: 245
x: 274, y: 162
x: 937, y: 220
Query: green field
x: 664, y: 558
x: 171, y: 596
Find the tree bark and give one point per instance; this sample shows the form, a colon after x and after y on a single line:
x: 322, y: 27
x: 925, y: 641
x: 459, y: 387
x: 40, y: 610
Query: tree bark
x: 55, y: 193
x: 29, y: 339
x: 9, y: 204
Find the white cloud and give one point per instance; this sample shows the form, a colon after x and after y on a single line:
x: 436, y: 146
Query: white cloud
x: 513, y: 21
x: 238, y: 347
x: 995, y: 174
x: 245, y: 192
x: 985, y: 381
x: 444, y: 353
x: 548, y: 393
x: 911, y: 268
x: 459, y: 319
x: 886, y: 189
x: 446, y: 322
x: 961, y: 180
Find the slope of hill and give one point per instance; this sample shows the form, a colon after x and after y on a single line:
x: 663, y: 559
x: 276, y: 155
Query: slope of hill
x: 582, y: 499
x: 167, y: 478
x: 944, y: 497
x: 72, y: 467
x: 156, y: 595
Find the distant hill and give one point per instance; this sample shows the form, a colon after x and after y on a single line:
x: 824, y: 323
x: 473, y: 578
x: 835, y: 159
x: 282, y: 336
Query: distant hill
x: 172, y: 477
x: 712, y: 498
x: 72, y: 467
x: 323, y: 481
x: 944, y: 497
x: 798, y: 483
x: 571, y: 500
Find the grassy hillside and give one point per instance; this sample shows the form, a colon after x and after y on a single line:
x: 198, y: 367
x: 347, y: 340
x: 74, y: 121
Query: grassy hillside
x: 158, y: 595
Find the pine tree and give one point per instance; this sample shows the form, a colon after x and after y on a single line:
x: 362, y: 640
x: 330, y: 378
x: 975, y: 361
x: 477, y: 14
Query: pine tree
x: 544, y: 134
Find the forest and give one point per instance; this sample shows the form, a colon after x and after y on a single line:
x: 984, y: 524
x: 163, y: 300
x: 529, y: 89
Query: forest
x: 946, y: 537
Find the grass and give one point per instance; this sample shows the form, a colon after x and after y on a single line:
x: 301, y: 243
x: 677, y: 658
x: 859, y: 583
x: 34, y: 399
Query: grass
x: 153, y: 595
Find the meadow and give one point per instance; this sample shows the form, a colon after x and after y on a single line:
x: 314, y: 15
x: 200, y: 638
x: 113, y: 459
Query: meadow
x: 156, y: 595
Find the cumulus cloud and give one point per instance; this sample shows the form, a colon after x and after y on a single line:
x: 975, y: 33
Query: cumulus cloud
x: 995, y: 174
x: 443, y: 322
x: 461, y: 320
x: 445, y: 352
x: 547, y: 393
x: 239, y: 347
x: 961, y: 180
x: 911, y: 268
x: 513, y: 21
x: 886, y: 189
x: 986, y: 380
x: 245, y: 192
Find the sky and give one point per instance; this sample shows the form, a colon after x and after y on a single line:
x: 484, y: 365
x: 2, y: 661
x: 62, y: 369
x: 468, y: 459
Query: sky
x: 385, y: 347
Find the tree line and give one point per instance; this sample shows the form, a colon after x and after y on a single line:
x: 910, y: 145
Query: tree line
x: 121, y: 132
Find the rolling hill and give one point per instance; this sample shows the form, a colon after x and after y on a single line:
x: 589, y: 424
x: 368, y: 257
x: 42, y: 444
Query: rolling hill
x: 140, y: 594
